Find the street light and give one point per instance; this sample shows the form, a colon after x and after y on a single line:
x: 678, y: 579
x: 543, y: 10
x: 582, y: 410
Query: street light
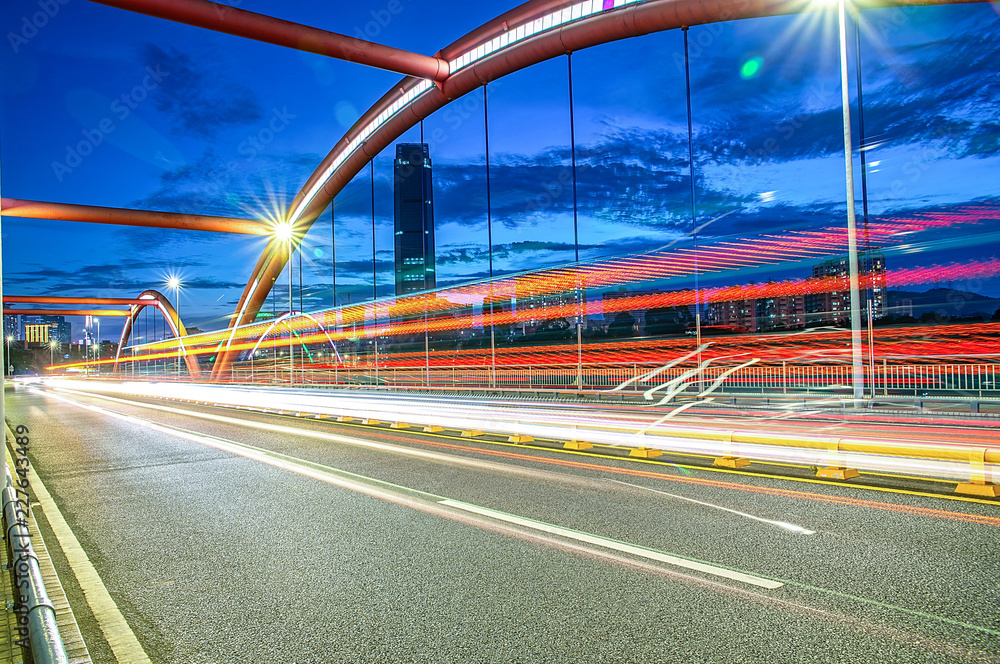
x: 174, y: 283
x: 857, y: 359
x: 97, y: 348
x: 52, y: 347
x: 283, y: 232
x: 9, y: 363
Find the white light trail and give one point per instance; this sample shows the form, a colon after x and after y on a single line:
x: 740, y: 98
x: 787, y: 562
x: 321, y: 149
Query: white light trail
x: 790, y: 527
x: 397, y: 494
x: 808, y: 449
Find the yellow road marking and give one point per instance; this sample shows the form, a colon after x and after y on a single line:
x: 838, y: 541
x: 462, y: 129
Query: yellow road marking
x: 712, y: 469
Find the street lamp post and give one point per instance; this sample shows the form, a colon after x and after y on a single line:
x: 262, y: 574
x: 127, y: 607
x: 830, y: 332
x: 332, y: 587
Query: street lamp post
x: 175, y: 284
x: 291, y: 331
x: 857, y: 359
x: 52, y: 347
x: 283, y: 232
x: 97, y: 348
x: 8, y: 362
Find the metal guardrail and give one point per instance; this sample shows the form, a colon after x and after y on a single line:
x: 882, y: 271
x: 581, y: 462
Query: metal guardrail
x: 39, y: 615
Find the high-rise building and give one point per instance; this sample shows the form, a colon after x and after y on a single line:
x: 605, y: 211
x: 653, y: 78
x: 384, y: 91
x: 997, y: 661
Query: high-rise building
x: 733, y: 313
x: 834, y: 306
x: 781, y: 312
x: 61, y: 330
x: 11, y: 327
x: 414, y: 219
x: 57, y: 329
x: 36, y: 334
x: 764, y: 314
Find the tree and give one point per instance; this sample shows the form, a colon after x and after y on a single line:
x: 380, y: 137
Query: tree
x: 552, y: 329
x: 668, y: 320
x: 622, y: 325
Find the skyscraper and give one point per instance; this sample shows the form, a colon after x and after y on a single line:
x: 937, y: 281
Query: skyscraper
x: 11, y: 327
x: 835, y: 305
x: 414, y: 219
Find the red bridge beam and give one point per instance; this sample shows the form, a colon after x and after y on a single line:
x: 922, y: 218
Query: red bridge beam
x: 13, y: 207
x: 241, y: 23
x: 54, y: 299
x: 65, y: 312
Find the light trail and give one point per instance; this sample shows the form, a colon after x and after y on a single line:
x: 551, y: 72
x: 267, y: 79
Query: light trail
x: 938, y: 459
x: 417, y: 499
x: 935, y: 513
x: 790, y: 527
x: 644, y: 552
x: 401, y: 314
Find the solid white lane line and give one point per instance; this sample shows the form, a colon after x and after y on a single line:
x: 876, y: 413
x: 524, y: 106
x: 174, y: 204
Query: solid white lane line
x: 615, y: 545
x: 791, y: 527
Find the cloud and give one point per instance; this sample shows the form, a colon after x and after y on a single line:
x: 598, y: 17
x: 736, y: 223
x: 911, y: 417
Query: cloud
x: 231, y: 185
x: 53, y: 281
x: 201, y: 101
x: 792, y: 110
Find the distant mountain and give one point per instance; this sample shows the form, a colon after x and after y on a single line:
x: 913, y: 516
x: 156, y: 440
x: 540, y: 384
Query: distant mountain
x: 945, y: 302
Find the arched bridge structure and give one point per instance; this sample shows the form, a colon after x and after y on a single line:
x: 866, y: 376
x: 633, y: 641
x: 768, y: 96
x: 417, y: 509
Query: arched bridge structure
x: 152, y: 298
x: 529, y: 34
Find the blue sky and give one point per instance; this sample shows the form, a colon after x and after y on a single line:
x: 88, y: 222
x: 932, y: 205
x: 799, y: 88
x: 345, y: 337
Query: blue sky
x: 214, y: 124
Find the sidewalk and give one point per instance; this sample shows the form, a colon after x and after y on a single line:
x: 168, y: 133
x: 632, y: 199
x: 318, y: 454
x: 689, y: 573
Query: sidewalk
x: 10, y: 651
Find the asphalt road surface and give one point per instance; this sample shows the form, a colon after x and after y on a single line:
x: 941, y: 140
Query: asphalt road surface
x: 226, y: 539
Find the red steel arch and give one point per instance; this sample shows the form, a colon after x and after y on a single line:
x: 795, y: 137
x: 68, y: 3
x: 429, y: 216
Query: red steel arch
x: 152, y: 298
x: 412, y: 99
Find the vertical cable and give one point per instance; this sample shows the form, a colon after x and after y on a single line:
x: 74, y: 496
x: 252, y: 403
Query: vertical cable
x: 870, y: 293
x: 576, y: 227
x: 374, y: 276
x: 861, y: 130
x: 489, y: 209
x: 427, y: 338
x: 333, y: 263
x: 333, y: 247
x: 489, y: 239
x: 274, y: 317
x: 333, y: 260
x: 291, y: 334
x: 302, y: 372
x: 694, y: 211
x: 857, y: 355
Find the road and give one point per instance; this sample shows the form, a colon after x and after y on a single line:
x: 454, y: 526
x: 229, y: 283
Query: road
x: 228, y: 540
